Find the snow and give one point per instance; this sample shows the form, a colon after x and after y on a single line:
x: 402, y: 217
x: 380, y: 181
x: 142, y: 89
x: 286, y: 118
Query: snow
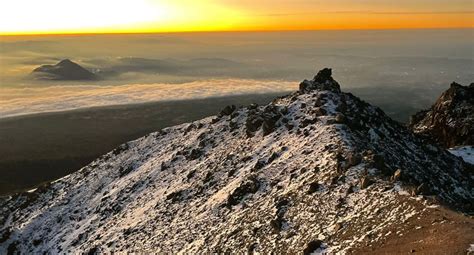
x: 470, y: 249
x: 465, y: 152
x: 153, y: 195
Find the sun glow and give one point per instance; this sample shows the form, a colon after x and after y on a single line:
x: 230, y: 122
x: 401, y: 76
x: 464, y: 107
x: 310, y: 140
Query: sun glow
x: 59, y: 16
x: 125, y: 16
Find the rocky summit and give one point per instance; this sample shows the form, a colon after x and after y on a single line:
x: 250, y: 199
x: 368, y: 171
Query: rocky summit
x: 450, y: 121
x: 317, y: 171
x: 65, y: 70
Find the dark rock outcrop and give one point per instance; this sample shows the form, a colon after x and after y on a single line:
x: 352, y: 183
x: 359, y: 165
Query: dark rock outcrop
x: 322, y: 81
x: 450, y: 121
x: 228, y: 110
x: 249, y: 186
x: 267, y: 119
x: 65, y: 70
x: 312, y: 247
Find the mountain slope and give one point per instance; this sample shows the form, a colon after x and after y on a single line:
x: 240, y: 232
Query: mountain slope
x: 65, y: 70
x: 317, y: 170
x: 450, y: 121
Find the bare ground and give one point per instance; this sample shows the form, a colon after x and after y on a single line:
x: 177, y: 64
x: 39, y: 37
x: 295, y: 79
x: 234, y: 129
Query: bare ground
x: 438, y: 230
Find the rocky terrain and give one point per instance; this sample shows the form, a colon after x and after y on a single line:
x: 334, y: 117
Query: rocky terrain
x: 317, y: 171
x: 65, y: 70
x: 450, y: 121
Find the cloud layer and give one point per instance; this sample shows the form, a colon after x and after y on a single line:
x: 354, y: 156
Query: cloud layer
x: 21, y: 101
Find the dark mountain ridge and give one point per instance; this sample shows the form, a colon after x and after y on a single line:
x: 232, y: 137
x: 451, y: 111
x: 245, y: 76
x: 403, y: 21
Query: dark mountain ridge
x: 450, y: 121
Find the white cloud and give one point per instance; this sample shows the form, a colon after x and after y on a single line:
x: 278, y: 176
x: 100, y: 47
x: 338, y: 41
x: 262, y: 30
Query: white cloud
x: 20, y: 101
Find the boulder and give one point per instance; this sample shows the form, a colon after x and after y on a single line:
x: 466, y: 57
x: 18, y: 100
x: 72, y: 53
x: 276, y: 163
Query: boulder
x: 249, y: 186
x: 365, y: 182
x: 270, y: 116
x: 253, y: 122
x: 228, y: 110
x: 312, y: 247
x: 397, y: 175
x: 353, y: 159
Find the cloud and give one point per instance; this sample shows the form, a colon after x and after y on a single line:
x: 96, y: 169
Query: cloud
x: 21, y: 101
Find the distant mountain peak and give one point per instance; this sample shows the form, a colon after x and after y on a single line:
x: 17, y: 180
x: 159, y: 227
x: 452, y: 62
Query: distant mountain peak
x: 66, y: 62
x: 63, y: 70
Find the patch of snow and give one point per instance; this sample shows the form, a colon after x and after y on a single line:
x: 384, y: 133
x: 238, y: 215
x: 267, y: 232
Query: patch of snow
x: 465, y: 152
x: 470, y: 249
x: 196, y: 188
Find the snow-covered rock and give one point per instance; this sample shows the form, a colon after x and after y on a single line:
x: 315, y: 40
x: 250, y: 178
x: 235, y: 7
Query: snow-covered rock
x: 315, y: 171
x: 465, y: 152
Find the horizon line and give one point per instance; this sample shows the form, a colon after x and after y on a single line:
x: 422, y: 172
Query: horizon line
x: 224, y: 31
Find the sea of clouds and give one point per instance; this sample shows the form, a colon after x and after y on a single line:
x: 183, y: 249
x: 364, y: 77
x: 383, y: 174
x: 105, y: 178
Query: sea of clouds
x: 21, y: 101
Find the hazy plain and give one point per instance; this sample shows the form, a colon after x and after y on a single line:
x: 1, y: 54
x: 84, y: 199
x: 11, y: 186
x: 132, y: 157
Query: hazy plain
x: 383, y: 66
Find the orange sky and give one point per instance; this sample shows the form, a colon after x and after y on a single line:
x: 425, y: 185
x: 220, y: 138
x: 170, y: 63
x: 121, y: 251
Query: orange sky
x: 129, y: 16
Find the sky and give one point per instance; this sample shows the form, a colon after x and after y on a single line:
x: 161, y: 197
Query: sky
x: 137, y: 16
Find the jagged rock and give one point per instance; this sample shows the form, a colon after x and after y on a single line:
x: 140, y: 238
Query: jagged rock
x: 365, y: 182
x: 120, y: 149
x: 250, y: 186
x: 252, y: 106
x: 259, y: 165
x: 450, y: 121
x: 233, y: 125
x: 234, y: 115
x: 322, y: 81
x: 12, y: 248
x: 422, y: 189
x: 350, y: 190
x: 93, y: 251
x: 228, y: 110
x: 5, y: 234
x: 313, y: 187
x: 124, y: 170
x: 253, y: 122
x: 312, y: 247
x: 190, y: 128
x: 377, y: 161
x: 340, y: 118
x: 195, y: 154
x: 323, y: 76
x: 397, y: 175
x: 353, y: 159
x: 176, y: 196
x: 320, y: 102
x: 272, y: 157
x: 215, y: 120
x: 278, y: 221
x: 270, y: 117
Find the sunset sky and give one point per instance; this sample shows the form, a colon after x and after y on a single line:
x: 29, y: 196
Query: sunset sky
x: 125, y: 16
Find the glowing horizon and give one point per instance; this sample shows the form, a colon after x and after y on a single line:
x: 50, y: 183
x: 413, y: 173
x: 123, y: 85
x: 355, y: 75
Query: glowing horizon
x: 149, y: 16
